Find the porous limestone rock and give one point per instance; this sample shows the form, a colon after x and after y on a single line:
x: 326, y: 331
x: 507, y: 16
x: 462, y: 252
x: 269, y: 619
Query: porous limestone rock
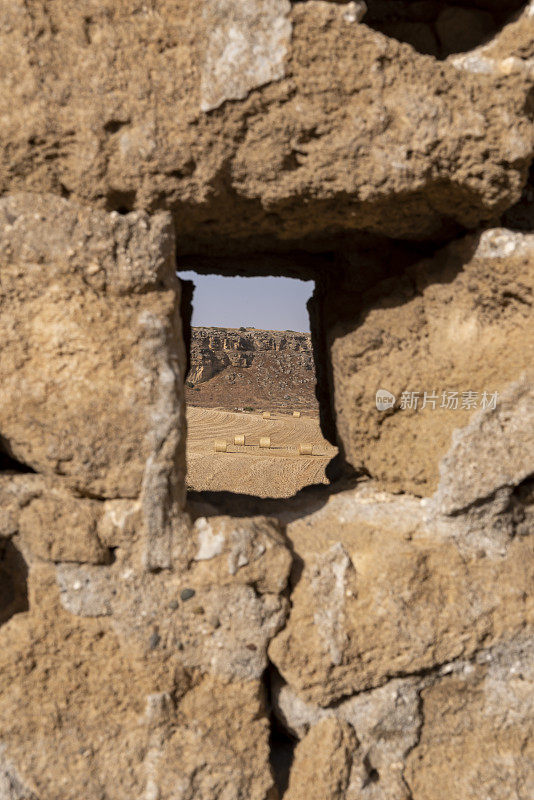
x: 456, y: 324
x: 219, y: 614
x: 246, y: 47
x: 82, y: 713
x: 403, y: 586
x: 402, y: 598
x: 386, y: 722
x: 134, y: 642
x: 469, y: 719
x: 215, y: 742
x: 323, y: 760
x: 225, y: 629
x: 393, y: 577
x: 510, y: 52
x: 251, y: 551
x: 16, y: 491
x: 11, y: 787
x: 340, y: 128
x: 495, y: 452
x: 168, y: 663
x: 113, y: 652
x: 478, y: 731
x: 60, y: 527
x: 91, y: 359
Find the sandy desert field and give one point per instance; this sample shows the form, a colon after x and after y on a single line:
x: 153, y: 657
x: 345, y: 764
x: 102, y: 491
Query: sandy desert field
x: 279, y: 471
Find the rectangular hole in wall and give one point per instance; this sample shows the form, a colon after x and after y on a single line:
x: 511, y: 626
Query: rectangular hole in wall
x: 252, y: 410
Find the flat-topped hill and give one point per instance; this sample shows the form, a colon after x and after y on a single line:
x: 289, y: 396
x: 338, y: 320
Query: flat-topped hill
x: 247, y: 368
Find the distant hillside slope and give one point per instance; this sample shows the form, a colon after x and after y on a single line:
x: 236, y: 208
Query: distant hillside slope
x: 235, y: 368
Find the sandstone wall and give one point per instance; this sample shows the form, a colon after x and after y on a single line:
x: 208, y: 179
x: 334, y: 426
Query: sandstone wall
x: 160, y: 650
x: 312, y: 124
x: 457, y: 327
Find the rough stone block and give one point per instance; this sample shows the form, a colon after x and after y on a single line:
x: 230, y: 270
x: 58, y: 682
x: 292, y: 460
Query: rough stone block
x: 92, y: 359
x: 328, y: 125
x: 60, y: 527
x: 404, y: 587
x: 455, y: 324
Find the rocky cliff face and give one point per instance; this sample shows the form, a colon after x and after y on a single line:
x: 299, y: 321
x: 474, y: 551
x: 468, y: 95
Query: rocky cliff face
x: 213, y: 349
x: 147, y: 642
x: 253, y: 369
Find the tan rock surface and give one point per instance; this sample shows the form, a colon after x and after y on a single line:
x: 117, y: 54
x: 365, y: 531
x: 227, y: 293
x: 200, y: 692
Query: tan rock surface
x: 143, y: 684
x: 419, y: 737
x: 252, y: 551
x: 112, y: 657
x: 16, y: 491
x: 355, y: 131
x: 216, y: 743
x: 478, y: 730
x: 219, y: 614
x: 247, y: 45
x: 405, y: 588
x: 511, y: 52
x: 396, y: 597
x: 491, y: 454
x: 63, y: 528
x: 461, y: 322
x: 81, y: 714
x: 323, y: 761
x: 87, y: 309
x: 92, y: 360
x: 386, y: 722
x: 225, y: 629
x: 136, y: 632
x: 60, y: 679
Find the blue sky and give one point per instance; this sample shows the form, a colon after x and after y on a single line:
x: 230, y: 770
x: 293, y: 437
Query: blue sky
x: 277, y: 304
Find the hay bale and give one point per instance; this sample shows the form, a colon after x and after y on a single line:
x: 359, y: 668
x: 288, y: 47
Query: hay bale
x: 296, y: 413
x: 265, y: 441
x: 221, y: 446
x: 239, y: 440
x: 306, y: 449
x: 266, y: 415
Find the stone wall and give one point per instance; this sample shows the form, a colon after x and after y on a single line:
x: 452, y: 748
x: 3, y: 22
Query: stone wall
x: 369, y: 643
x: 457, y: 327
x: 327, y: 126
